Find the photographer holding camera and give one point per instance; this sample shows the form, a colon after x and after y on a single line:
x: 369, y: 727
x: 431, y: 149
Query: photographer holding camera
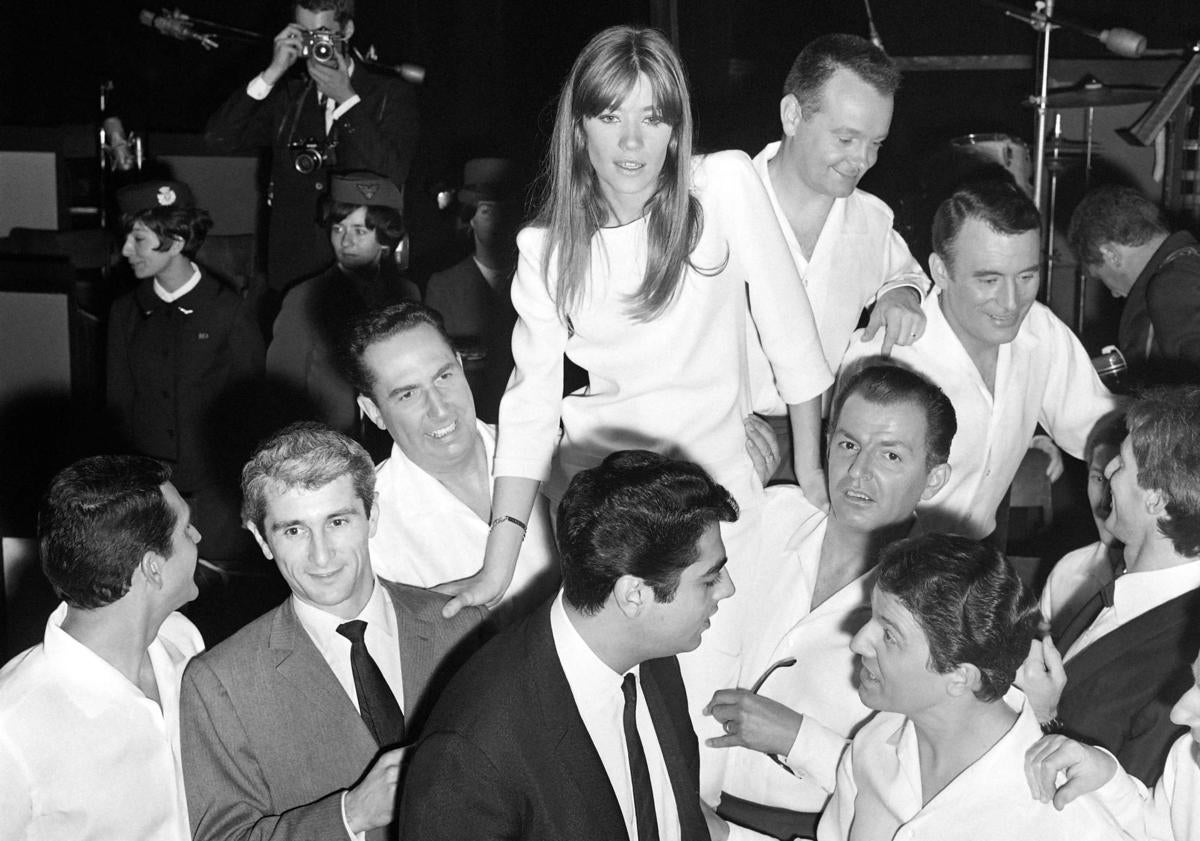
x: 336, y: 116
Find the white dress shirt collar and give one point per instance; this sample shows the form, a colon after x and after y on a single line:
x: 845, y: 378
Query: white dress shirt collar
x: 598, y: 696
x: 879, y: 792
x: 1135, y: 593
x: 322, y: 626
x: 593, y: 683
x: 192, y: 283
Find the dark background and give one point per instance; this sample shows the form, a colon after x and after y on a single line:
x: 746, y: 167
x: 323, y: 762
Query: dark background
x: 494, y: 66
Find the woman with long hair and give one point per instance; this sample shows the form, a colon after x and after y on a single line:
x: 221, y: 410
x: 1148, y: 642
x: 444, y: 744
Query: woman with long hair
x: 637, y: 267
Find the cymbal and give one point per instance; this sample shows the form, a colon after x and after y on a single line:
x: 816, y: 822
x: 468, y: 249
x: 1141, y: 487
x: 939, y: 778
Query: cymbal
x: 1064, y: 146
x: 1093, y: 94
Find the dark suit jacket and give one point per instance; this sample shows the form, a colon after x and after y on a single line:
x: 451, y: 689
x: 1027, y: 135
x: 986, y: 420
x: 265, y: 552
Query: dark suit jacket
x: 378, y: 134
x: 1164, y: 302
x: 1120, y: 689
x: 480, y: 322
x: 506, y: 755
x: 269, y: 737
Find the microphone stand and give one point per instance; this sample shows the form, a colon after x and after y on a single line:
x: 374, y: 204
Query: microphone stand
x: 232, y: 32
x: 1039, y: 148
x: 1123, y: 42
x: 206, y: 32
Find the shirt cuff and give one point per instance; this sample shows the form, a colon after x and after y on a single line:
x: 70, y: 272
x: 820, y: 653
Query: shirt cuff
x: 903, y: 282
x: 259, y: 88
x: 815, y: 753
x: 346, y: 106
x: 350, y: 833
x: 1124, y: 797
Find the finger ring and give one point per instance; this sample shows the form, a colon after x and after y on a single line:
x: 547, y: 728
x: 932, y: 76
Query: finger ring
x: 729, y: 727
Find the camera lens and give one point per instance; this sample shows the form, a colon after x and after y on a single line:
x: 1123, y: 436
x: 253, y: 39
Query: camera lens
x: 307, y: 162
x: 322, y: 51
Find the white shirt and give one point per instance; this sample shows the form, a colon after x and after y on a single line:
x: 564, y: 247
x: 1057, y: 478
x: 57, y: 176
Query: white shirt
x: 1043, y: 376
x: 381, y: 637
x: 857, y: 258
x: 1076, y: 577
x: 1135, y: 593
x: 601, y: 703
x: 426, y: 535
x: 383, y: 644
x: 490, y: 275
x: 168, y: 297
x: 1170, y: 813
x: 677, y: 384
x: 879, y: 796
x: 821, y: 684
x: 259, y: 88
x: 83, y: 753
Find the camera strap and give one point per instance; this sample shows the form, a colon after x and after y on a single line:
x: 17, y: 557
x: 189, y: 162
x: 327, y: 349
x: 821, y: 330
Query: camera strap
x: 292, y: 121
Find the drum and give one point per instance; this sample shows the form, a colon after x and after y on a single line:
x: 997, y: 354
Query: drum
x: 1009, y: 152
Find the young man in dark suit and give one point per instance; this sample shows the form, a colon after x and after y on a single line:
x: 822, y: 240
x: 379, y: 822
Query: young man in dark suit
x: 573, y: 723
x: 1128, y: 651
x: 292, y: 727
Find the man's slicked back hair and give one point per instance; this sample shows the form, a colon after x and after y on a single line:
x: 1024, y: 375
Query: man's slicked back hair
x: 885, y: 383
x: 99, y: 518
x: 376, y: 325
x: 997, y: 202
x: 637, y: 513
x: 824, y: 56
x: 343, y: 10
x: 969, y: 601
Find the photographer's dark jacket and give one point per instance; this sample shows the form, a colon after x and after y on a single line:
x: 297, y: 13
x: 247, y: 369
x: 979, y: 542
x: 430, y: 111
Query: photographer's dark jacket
x: 378, y: 134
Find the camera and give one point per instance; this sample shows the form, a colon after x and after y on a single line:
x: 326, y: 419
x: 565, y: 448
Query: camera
x: 321, y: 46
x: 309, y: 155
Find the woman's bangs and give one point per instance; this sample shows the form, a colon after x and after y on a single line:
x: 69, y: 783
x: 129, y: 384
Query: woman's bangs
x: 606, y: 87
x: 666, y: 90
x: 609, y: 85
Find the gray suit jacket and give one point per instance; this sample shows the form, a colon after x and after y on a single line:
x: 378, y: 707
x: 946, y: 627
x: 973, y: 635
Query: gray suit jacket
x: 269, y: 737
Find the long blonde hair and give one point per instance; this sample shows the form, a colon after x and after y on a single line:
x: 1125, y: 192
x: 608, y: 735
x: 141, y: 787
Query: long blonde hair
x: 572, y: 207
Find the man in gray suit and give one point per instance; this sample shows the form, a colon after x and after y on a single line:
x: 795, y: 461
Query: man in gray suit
x: 294, y: 727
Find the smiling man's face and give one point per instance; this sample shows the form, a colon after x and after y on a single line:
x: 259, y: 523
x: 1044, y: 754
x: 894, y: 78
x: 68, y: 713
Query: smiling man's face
x: 420, y: 395
x: 318, y: 538
x: 989, y: 283
x: 830, y: 149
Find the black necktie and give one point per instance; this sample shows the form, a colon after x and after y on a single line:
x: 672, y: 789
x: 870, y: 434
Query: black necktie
x: 1084, y: 618
x: 376, y: 703
x: 643, y: 794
